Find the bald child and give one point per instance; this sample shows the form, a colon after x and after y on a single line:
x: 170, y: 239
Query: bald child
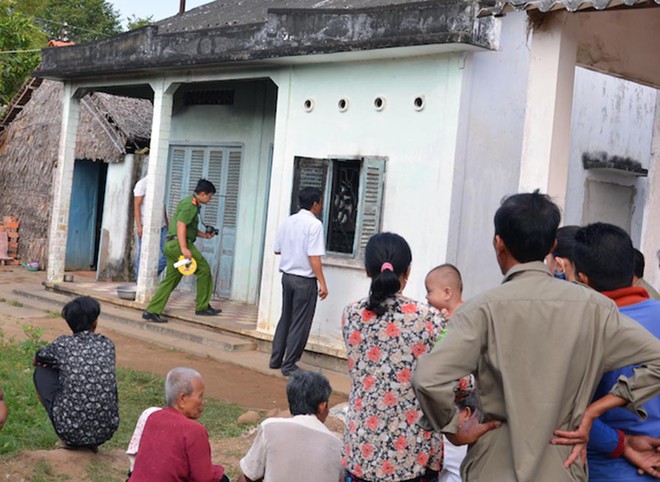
x: 444, y: 289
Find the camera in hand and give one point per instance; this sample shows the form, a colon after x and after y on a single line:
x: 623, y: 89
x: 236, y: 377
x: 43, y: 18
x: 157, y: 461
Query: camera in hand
x: 212, y: 230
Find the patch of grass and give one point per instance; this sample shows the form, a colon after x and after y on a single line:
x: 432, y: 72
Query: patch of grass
x: 16, y: 303
x: 28, y: 426
x: 100, y: 470
x: 43, y: 472
x: 53, y: 314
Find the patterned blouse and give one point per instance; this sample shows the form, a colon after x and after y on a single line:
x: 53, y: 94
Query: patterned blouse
x: 86, y: 410
x: 382, y: 440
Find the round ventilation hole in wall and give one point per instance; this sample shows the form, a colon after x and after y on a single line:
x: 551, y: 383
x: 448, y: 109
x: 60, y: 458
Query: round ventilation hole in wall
x: 308, y: 105
x: 379, y: 103
x: 343, y: 104
x: 419, y: 102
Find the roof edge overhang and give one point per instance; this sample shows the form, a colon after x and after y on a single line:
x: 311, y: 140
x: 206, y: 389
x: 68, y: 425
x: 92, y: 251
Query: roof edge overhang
x: 502, y: 7
x: 286, y: 33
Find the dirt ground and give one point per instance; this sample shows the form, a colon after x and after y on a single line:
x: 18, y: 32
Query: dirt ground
x: 224, y: 381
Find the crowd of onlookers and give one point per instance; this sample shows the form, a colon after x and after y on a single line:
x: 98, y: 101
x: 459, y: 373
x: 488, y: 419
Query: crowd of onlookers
x: 558, y: 366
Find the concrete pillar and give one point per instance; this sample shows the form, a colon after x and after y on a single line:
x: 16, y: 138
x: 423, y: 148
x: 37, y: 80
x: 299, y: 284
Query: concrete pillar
x: 546, y: 138
x: 278, y: 205
x: 650, y: 243
x: 62, y: 183
x: 156, y: 186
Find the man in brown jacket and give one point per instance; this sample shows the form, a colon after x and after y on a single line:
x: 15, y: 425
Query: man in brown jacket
x: 538, y: 346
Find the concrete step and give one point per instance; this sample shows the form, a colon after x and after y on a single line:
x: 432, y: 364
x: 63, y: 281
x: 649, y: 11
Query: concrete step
x: 184, y: 336
x: 125, y: 319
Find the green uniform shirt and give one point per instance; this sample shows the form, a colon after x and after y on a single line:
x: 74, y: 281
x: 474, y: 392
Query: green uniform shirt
x: 187, y: 212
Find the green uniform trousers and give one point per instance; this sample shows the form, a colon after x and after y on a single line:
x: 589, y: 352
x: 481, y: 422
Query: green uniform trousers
x: 172, y: 252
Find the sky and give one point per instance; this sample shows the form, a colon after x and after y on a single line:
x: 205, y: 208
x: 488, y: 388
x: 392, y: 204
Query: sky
x: 158, y: 8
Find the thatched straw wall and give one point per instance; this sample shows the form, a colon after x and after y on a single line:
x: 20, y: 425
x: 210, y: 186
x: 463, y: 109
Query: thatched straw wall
x: 28, y: 155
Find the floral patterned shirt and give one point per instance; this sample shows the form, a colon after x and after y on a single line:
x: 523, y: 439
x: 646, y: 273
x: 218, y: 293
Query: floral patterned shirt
x: 383, y: 440
x: 86, y: 409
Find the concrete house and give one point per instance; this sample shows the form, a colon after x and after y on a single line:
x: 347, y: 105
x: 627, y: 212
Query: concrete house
x: 413, y: 117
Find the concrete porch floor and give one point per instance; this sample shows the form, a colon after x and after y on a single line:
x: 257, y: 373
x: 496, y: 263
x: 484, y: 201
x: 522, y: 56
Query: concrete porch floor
x: 236, y: 319
x: 239, y: 318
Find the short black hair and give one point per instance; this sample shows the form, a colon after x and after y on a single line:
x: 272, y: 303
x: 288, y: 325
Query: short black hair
x: 306, y: 390
x: 308, y: 196
x: 604, y: 253
x: 565, y: 242
x: 81, y: 313
x: 527, y: 223
x: 639, y: 263
x: 205, y: 186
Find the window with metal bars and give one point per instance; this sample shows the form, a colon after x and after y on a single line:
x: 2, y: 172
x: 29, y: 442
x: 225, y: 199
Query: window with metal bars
x: 352, y: 193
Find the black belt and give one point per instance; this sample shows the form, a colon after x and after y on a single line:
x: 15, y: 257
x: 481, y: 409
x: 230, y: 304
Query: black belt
x: 172, y: 237
x: 298, y: 276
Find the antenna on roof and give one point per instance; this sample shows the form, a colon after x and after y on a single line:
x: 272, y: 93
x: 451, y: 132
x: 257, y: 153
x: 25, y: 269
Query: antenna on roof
x: 182, y: 7
x: 64, y: 31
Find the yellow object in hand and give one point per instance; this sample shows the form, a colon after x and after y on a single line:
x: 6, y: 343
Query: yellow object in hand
x: 186, y: 266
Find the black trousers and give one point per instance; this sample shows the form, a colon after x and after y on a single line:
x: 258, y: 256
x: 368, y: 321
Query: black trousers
x: 299, y: 295
x: 47, y: 384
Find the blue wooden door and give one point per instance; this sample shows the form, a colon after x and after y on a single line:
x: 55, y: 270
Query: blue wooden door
x: 81, y: 235
x: 221, y: 166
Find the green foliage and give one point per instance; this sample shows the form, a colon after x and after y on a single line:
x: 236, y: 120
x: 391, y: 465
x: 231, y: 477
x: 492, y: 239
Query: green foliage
x: 87, y: 20
x: 136, y: 22
x: 17, y: 34
x: 28, y: 426
x: 28, y: 25
x: 28, y: 423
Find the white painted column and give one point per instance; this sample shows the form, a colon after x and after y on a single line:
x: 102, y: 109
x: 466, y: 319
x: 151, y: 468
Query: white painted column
x: 650, y: 243
x: 156, y: 186
x: 278, y: 205
x: 546, y: 138
x: 62, y: 184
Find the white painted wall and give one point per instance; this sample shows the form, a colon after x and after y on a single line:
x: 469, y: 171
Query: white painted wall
x: 650, y: 244
x: 615, y: 116
x: 250, y: 122
x: 116, y: 224
x: 488, y: 167
x: 420, y: 147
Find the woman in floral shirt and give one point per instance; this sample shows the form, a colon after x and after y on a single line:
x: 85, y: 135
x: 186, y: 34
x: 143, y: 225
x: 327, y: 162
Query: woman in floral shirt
x: 384, y: 334
x: 75, y: 379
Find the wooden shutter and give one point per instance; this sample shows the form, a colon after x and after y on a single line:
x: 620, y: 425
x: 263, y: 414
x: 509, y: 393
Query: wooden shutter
x: 308, y: 172
x: 233, y: 182
x: 196, y: 171
x: 176, y: 180
x: 214, y: 175
x: 371, y: 185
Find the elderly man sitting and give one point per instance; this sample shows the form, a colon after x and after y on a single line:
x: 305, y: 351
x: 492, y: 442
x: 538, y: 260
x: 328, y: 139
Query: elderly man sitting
x: 299, y: 448
x: 173, y: 446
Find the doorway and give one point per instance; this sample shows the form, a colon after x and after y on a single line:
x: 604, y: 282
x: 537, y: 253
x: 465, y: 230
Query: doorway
x: 85, y: 215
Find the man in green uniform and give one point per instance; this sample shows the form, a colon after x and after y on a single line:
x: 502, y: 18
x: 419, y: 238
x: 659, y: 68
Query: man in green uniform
x: 180, y: 241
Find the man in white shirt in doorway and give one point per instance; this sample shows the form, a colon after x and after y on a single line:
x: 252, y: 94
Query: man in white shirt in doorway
x: 301, y: 244
x: 139, y: 199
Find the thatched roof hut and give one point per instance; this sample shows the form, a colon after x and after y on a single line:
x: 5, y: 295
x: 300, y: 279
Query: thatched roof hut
x: 109, y: 128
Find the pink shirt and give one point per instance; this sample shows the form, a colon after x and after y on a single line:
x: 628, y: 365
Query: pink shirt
x: 174, y: 448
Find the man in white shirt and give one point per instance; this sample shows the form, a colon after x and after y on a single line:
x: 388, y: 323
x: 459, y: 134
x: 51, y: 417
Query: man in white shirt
x: 298, y: 448
x: 139, y: 198
x: 301, y: 244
